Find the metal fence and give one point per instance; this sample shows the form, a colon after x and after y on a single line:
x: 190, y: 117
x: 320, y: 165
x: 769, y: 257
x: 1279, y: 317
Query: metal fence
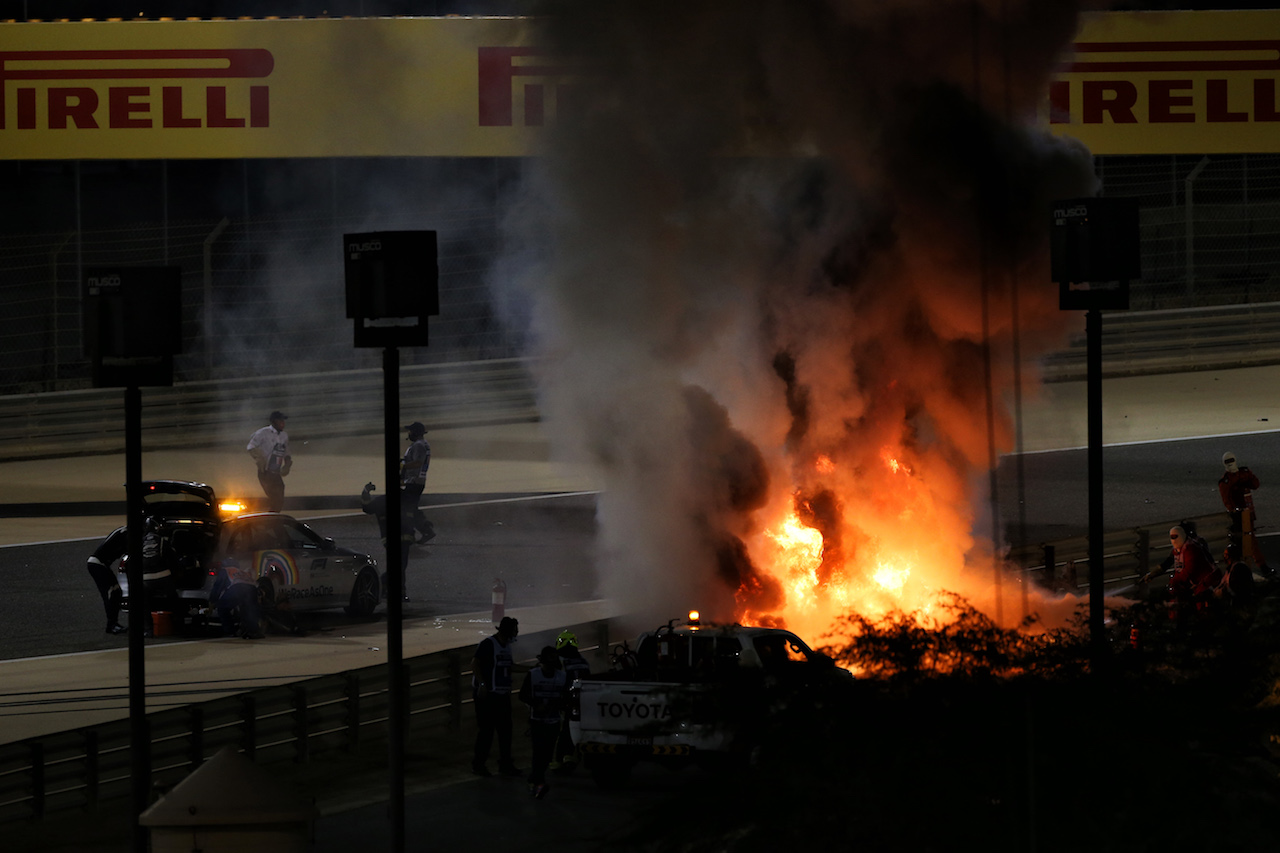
x: 191, y: 413
x: 1175, y: 340
x: 301, y: 722
x: 347, y: 712
x: 263, y: 293
x: 1210, y: 226
x: 1126, y: 554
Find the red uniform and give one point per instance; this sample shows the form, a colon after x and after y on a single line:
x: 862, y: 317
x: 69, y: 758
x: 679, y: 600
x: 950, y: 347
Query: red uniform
x: 1236, y: 488
x: 1193, y: 572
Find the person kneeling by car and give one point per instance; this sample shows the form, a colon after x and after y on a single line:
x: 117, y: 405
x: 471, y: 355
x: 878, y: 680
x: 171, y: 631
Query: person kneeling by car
x: 377, y: 507
x: 235, y: 595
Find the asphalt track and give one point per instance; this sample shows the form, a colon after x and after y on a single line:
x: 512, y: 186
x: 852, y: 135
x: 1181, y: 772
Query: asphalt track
x: 1164, y: 434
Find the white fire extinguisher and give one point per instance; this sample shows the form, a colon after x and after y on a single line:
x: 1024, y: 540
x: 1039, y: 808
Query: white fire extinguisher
x: 499, y: 600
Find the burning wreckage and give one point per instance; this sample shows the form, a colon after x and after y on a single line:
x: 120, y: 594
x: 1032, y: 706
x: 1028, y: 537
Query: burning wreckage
x: 793, y: 368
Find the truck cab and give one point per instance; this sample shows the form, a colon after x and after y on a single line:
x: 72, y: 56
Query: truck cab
x: 690, y: 693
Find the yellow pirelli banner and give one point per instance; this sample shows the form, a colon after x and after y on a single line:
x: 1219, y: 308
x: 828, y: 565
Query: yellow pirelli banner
x: 1134, y: 83
x: 371, y: 87
x: 1172, y: 83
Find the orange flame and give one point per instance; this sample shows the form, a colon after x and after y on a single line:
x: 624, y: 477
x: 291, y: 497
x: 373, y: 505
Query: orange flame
x: 895, y: 541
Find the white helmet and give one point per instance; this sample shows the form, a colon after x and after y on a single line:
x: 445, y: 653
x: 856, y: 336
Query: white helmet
x: 1229, y: 460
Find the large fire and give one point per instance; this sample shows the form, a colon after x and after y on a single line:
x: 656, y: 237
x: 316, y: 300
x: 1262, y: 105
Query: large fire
x: 880, y: 564
x: 782, y: 270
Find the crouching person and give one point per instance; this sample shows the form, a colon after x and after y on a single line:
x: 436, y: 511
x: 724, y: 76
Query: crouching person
x: 377, y: 507
x: 235, y: 595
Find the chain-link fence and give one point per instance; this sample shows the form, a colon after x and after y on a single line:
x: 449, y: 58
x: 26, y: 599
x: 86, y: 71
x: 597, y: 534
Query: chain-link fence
x: 264, y: 295
x: 1210, y: 227
x: 260, y: 297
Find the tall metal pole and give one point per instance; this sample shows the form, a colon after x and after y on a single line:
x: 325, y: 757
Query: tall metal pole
x: 1093, y: 335
x: 395, y: 596
x: 139, y: 737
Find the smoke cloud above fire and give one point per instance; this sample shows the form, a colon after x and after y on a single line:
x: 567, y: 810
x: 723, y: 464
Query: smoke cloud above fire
x: 785, y: 262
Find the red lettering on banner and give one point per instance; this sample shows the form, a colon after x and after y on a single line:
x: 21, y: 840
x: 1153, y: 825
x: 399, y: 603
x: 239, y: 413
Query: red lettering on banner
x: 259, y: 106
x: 1172, y: 99
x: 121, y: 106
x: 216, y: 115
x: 133, y: 106
x: 1264, y: 101
x: 26, y: 109
x: 1168, y: 102
x: 1216, y: 103
x: 1114, y: 97
x: 497, y: 71
x: 1161, y: 101
x: 171, y: 109
x: 76, y: 104
x: 1059, y: 102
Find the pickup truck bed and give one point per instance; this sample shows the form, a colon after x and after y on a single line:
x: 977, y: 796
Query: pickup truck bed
x: 689, y: 694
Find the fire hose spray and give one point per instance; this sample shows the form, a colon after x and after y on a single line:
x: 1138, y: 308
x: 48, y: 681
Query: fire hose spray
x: 499, y: 600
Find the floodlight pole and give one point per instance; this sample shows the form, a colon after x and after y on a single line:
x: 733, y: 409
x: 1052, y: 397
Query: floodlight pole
x: 396, y: 715
x: 1093, y: 393
x: 139, y: 736
x: 392, y: 284
x: 1094, y: 251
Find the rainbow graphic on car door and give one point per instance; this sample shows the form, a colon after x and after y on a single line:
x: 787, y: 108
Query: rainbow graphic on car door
x: 279, y: 566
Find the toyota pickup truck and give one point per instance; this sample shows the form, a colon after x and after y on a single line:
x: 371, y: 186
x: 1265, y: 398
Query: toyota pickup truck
x: 691, y: 693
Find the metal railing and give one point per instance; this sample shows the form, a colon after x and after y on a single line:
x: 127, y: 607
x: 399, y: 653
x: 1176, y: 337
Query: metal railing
x: 300, y: 722
x: 1127, y: 554
x: 83, y: 768
x: 319, y: 405
x: 1175, y: 341
x: 503, y: 391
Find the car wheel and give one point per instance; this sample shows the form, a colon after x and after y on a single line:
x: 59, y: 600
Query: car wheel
x: 365, y: 594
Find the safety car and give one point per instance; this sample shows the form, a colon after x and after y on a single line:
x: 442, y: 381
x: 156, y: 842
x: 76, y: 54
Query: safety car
x: 296, y: 567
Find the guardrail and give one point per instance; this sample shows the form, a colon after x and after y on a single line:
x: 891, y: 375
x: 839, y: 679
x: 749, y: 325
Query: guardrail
x: 1174, y: 341
x: 1127, y: 554
x: 83, y: 768
x: 87, y: 767
x: 319, y: 405
x: 502, y: 390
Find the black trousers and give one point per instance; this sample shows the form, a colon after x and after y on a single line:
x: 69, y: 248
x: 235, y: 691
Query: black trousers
x: 493, y: 717
x: 273, y: 486
x: 105, y: 579
x: 238, y: 607
x: 543, y: 737
x: 409, y: 497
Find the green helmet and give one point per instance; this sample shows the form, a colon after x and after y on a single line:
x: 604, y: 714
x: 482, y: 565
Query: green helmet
x: 566, y: 638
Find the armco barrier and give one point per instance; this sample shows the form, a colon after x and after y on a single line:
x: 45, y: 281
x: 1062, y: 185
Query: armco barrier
x: 1127, y: 554
x: 348, y: 711
x: 502, y: 390
x: 1175, y: 341
x: 299, y: 722
x: 319, y: 405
